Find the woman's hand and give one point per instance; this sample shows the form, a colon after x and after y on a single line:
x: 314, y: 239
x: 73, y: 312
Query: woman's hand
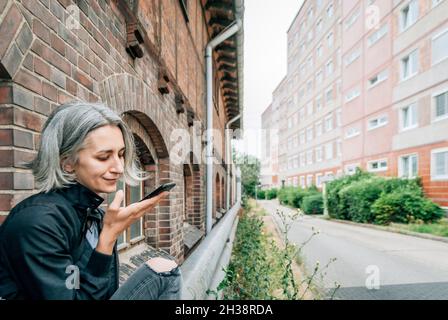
x: 117, y: 219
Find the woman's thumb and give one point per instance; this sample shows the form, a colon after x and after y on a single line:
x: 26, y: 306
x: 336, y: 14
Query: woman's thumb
x: 116, y: 203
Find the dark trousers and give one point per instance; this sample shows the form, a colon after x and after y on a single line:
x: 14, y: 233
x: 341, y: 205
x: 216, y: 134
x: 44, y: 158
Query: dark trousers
x: 147, y: 284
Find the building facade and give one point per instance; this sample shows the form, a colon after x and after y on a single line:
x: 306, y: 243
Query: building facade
x: 368, y: 88
x: 143, y: 59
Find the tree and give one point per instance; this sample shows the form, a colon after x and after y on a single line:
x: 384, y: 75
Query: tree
x: 250, y: 173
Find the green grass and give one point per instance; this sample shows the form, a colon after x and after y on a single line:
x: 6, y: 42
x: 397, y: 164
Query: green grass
x: 438, y: 229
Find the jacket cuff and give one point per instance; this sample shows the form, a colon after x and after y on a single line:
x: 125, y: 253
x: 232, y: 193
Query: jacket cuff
x: 99, y: 263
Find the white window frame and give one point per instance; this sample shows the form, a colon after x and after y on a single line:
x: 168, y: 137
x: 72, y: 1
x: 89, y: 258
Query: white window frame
x: 354, y: 55
x: 379, y: 161
x: 329, y: 68
x: 309, y: 180
x: 434, y: 106
x: 409, y: 24
x: 302, y: 182
x: 319, y: 154
x: 380, y: 77
x: 401, y: 117
x: 319, y: 128
x: 352, y: 132
x: 409, y: 174
x: 382, y: 121
x: 330, y: 13
x: 377, y: 35
x: 350, y: 169
x: 353, y: 94
x: 309, y: 157
x: 353, y: 18
x: 330, y: 36
x: 319, y: 180
x: 438, y: 35
x: 408, y: 56
x: 329, y: 147
x: 433, y: 176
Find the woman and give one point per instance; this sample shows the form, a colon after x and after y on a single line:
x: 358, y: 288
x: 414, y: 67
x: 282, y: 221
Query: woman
x: 58, y: 244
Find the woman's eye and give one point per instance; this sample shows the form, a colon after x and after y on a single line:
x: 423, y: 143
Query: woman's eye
x: 103, y: 159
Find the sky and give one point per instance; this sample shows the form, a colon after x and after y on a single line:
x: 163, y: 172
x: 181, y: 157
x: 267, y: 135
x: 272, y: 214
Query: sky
x: 265, y: 58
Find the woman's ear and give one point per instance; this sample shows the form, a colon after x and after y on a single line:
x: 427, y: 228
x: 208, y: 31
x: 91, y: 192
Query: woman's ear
x: 66, y: 166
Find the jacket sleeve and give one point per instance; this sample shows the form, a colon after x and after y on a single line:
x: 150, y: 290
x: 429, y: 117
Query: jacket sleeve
x: 39, y: 257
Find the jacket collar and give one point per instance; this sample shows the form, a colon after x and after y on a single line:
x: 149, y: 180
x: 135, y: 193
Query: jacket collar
x: 83, y: 198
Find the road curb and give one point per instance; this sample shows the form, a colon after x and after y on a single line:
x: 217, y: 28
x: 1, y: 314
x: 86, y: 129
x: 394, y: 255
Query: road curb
x: 390, y: 229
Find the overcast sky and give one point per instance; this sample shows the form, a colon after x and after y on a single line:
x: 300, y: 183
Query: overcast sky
x: 265, y: 57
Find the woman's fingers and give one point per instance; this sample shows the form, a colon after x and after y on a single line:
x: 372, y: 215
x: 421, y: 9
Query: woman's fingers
x: 116, y: 203
x: 139, y: 208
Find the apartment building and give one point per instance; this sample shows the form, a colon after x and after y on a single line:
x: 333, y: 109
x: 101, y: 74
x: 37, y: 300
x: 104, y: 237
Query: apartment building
x: 368, y: 88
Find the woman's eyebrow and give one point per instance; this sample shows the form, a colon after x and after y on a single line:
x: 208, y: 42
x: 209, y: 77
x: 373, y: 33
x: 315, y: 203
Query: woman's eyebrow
x: 110, y: 150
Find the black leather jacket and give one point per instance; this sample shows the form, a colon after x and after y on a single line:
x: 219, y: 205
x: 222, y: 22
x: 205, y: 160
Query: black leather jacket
x: 43, y: 245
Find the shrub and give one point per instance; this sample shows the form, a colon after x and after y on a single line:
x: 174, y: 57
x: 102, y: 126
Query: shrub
x: 337, y: 209
x: 271, y: 194
x: 404, y: 206
x: 261, y: 194
x: 313, y: 204
x: 359, y: 196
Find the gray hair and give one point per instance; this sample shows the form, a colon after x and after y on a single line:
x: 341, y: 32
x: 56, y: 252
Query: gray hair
x: 64, y: 133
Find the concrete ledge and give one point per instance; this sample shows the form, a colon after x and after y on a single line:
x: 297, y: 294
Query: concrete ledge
x: 391, y: 229
x: 201, y: 267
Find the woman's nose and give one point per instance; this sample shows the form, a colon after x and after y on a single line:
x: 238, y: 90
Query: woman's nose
x: 118, y: 165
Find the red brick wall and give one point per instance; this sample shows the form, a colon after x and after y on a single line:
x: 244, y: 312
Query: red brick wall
x: 46, y: 63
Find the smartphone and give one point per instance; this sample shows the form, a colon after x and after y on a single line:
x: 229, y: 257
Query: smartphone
x: 164, y: 187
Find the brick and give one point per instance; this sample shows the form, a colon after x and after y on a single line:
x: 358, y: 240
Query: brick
x: 42, y: 106
x: 50, y: 92
x: 24, y: 38
x: 46, y: 3
x: 8, y: 28
x: 58, y: 78
x: 5, y: 202
x: 29, y: 81
x: 37, y: 138
x: 23, y: 181
x: 6, y: 115
x: 71, y: 55
x: 57, y: 44
x: 42, y: 13
x: 6, y: 158
x: 6, y: 137
x: 11, y: 61
x: 3, y: 4
x: 59, y: 62
x: 5, y: 94
x: 72, y: 87
x: 57, y: 10
x: 63, y: 97
x: 27, y: 119
x: 22, y: 158
x: 28, y: 62
x: 23, y: 98
x: 84, y: 65
x: 6, y: 180
x: 51, y: 56
x: 65, y: 3
x: 23, y: 139
x: 43, y: 68
x: 83, y: 79
x: 41, y: 30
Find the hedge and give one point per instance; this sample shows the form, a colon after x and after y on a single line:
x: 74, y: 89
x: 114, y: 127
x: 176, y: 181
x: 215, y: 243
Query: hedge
x: 313, y: 204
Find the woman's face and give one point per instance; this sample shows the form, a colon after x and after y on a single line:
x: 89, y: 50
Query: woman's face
x: 101, y: 161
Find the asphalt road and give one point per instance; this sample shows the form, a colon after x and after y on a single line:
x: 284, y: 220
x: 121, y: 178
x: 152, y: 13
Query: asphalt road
x: 370, y: 264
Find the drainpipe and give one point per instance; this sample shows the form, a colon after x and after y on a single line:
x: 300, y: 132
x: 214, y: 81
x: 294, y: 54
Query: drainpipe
x: 229, y: 158
x: 224, y: 35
